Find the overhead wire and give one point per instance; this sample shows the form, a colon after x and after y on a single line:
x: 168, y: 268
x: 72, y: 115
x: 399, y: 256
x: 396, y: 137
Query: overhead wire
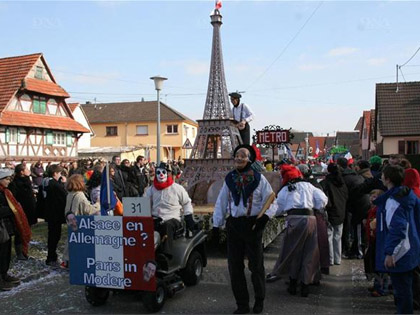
x: 285, y: 48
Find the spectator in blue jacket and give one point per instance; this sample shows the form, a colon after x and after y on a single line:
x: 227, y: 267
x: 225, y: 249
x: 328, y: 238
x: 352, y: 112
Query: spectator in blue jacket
x: 397, y: 238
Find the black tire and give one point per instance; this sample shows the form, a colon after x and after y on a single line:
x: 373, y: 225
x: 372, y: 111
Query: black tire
x: 96, y: 296
x: 154, y: 301
x: 191, y: 274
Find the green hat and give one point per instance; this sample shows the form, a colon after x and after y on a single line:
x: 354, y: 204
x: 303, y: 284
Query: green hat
x: 375, y: 160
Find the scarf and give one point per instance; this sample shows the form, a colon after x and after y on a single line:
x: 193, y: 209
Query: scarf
x: 160, y: 186
x: 21, y: 221
x: 242, y: 183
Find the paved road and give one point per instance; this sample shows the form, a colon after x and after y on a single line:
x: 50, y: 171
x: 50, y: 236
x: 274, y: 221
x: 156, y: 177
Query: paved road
x: 343, y: 291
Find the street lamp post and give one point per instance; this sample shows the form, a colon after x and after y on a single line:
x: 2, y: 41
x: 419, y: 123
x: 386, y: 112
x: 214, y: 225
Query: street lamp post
x: 158, y: 86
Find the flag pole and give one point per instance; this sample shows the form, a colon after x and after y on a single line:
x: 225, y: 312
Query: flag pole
x: 108, y: 192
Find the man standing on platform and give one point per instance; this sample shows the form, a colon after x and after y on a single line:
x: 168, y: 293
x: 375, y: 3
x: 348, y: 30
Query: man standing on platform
x: 243, y: 115
x: 244, y: 197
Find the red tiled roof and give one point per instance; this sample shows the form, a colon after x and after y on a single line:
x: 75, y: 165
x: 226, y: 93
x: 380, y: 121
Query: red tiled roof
x: 12, y: 71
x: 44, y: 87
x: 11, y: 118
x: 73, y: 106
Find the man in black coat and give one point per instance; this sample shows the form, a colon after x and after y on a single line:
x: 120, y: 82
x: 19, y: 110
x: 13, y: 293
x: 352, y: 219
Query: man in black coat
x: 358, y: 205
x: 139, y: 175
x: 21, y: 188
x: 55, y: 203
x: 120, y: 185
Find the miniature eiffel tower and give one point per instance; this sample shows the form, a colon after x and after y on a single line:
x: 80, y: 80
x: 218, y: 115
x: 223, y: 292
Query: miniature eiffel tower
x: 212, y: 155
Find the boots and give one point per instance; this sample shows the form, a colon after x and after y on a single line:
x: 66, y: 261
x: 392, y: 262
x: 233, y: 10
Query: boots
x: 292, y: 286
x: 19, y: 253
x: 304, y: 290
x: 5, y: 286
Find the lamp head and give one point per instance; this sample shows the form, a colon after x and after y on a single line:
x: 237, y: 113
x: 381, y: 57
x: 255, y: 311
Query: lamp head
x: 158, y: 82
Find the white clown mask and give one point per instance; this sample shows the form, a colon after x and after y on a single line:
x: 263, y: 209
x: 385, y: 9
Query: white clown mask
x: 161, y: 175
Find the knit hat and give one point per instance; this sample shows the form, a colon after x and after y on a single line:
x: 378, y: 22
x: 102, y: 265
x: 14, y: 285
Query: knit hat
x: 375, y: 160
x: 304, y: 169
x: 289, y: 172
x: 5, y: 172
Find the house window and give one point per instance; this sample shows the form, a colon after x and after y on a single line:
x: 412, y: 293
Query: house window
x: 38, y: 72
x: 59, y: 138
x: 412, y: 147
x: 12, y: 135
x: 111, y: 131
x: 172, y: 129
x: 142, y: 130
x: 39, y: 105
x: 25, y: 102
x: 193, y: 132
x: 364, y: 133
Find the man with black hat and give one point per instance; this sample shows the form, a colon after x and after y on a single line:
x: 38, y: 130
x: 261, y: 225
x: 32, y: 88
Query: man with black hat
x: 242, y: 114
x: 245, y: 196
x: 168, y: 200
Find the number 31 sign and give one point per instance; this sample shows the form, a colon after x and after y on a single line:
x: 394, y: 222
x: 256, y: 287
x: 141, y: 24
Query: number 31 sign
x: 137, y: 207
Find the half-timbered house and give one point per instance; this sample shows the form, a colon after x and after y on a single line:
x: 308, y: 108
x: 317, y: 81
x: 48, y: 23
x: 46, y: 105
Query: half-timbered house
x: 35, y: 121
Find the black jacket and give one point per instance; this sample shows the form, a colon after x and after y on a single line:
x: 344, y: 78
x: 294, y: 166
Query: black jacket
x: 337, y: 193
x: 55, y: 202
x: 6, y: 214
x: 21, y: 188
x: 139, y: 178
x: 120, y: 186
x: 358, y: 203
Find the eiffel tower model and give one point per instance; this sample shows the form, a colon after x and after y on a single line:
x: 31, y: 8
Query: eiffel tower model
x: 212, y: 154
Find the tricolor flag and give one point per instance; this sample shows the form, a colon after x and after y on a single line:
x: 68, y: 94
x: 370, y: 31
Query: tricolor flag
x: 290, y: 153
x: 317, y: 149
x: 218, y: 4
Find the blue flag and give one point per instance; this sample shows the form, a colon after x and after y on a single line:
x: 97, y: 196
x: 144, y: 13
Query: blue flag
x: 104, y: 194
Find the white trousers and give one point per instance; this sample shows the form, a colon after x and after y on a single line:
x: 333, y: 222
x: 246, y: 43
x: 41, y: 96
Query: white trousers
x: 334, y: 240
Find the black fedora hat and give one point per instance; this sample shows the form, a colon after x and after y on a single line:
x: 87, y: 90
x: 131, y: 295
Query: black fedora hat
x: 235, y: 95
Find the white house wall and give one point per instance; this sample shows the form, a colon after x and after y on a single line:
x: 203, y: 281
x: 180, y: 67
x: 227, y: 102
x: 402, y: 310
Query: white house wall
x: 84, y: 140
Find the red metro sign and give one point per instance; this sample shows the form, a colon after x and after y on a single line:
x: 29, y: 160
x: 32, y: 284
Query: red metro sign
x: 273, y: 136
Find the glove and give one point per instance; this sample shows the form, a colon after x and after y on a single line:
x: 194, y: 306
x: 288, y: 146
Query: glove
x: 261, y: 222
x: 215, y: 236
x: 189, y: 221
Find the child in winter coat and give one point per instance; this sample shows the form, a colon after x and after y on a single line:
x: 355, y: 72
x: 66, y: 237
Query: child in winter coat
x: 397, y: 238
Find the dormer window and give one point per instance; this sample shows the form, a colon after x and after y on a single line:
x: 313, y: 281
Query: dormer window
x: 38, y: 72
x: 39, y: 105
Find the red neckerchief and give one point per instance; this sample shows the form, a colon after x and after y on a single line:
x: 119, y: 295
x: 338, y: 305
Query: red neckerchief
x: 160, y: 186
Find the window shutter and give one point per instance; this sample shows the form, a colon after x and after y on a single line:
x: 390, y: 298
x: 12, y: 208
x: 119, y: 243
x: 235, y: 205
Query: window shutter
x: 42, y: 106
x: 18, y: 136
x: 401, y: 147
x: 49, y: 138
x: 7, y: 135
x: 69, y: 139
x: 35, y: 108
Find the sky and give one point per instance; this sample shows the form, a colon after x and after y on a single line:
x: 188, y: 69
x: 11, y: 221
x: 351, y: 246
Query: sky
x: 310, y: 66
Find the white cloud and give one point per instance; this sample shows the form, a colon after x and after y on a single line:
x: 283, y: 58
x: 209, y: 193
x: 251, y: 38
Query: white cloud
x: 312, y: 67
x: 376, y: 61
x: 342, y: 51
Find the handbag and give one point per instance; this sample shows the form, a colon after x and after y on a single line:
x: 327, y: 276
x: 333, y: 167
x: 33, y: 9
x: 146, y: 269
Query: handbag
x: 4, y: 234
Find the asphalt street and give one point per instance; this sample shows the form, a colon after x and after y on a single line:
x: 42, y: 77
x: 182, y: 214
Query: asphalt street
x: 343, y: 291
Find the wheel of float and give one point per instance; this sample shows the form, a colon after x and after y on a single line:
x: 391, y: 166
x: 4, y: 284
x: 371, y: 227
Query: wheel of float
x: 191, y: 274
x: 96, y: 296
x: 154, y: 301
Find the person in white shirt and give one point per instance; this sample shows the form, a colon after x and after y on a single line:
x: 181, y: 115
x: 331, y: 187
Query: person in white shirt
x: 243, y: 115
x: 169, y: 201
x: 299, y: 256
x: 243, y: 198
